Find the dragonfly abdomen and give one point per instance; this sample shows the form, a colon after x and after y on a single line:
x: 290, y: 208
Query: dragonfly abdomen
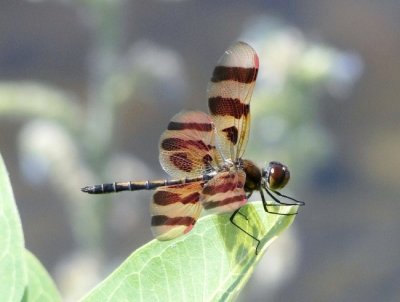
x: 139, y: 185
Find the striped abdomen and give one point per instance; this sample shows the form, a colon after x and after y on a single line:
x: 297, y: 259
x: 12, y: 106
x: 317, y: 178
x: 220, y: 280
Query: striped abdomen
x: 139, y: 185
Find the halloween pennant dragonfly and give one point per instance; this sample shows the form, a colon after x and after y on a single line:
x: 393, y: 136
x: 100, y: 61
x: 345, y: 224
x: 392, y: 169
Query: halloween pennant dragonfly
x: 203, y: 153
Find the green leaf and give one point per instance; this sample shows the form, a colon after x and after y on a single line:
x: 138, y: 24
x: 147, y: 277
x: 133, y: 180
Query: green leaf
x: 211, y: 263
x: 40, y: 287
x: 12, y: 268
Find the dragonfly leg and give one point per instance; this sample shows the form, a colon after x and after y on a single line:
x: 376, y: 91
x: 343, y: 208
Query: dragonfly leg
x: 279, y: 203
x: 240, y: 228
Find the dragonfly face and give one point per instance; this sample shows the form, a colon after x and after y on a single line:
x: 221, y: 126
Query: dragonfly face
x: 275, y: 175
x: 203, y: 153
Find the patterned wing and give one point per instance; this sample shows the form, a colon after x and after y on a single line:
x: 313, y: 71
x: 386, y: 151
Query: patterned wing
x: 224, y: 193
x: 187, y: 147
x: 229, y: 95
x: 175, y: 210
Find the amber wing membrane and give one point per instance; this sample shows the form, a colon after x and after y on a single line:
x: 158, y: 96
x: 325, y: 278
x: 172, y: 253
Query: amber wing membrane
x: 229, y: 94
x: 224, y: 193
x: 175, y: 210
x: 187, y: 147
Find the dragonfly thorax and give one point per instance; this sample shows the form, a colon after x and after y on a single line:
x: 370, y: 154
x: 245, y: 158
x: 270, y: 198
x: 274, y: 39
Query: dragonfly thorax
x: 253, y: 175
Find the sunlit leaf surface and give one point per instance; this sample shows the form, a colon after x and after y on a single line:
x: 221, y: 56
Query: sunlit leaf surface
x: 41, y: 287
x: 12, y: 270
x: 211, y: 263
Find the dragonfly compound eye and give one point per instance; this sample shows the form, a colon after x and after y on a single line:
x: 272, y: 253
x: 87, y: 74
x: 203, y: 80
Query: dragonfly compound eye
x: 276, y: 175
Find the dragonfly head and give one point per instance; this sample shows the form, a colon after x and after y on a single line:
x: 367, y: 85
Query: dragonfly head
x: 275, y: 175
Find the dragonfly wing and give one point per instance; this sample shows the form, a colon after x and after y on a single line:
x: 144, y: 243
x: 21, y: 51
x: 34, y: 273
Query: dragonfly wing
x: 224, y: 193
x: 229, y: 94
x: 187, y: 147
x: 175, y: 210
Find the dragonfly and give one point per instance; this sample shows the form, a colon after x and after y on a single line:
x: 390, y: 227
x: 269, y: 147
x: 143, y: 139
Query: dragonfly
x: 203, y: 155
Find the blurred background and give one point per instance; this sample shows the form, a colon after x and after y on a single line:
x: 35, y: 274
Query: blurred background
x: 87, y: 87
